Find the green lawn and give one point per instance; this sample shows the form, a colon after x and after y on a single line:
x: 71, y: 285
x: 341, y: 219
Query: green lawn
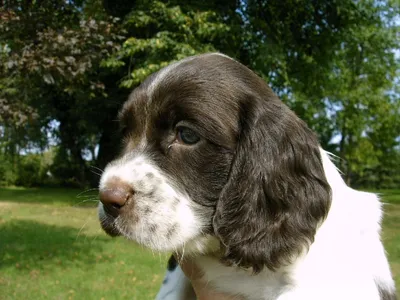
x: 51, y: 247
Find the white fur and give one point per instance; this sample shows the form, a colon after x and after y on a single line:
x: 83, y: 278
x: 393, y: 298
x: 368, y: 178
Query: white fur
x: 345, y: 261
x: 156, y: 196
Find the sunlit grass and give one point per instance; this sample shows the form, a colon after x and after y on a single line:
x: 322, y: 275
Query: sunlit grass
x: 53, y: 250
x: 52, y: 247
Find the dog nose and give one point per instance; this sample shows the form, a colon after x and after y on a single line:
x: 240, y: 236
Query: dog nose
x: 115, y: 197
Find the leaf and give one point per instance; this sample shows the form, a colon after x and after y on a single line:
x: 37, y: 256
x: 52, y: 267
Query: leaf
x: 48, y: 78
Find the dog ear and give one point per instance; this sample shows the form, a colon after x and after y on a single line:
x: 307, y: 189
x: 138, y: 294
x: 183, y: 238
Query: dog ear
x: 277, y: 193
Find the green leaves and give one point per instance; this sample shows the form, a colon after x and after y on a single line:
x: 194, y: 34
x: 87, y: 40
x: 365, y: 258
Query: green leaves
x: 160, y: 34
x: 332, y: 62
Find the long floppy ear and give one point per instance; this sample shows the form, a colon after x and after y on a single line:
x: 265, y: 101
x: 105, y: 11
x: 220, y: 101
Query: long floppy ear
x: 277, y: 193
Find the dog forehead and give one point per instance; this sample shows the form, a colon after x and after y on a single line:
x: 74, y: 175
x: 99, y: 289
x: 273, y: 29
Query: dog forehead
x: 194, y: 74
x: 159, y: 86
x: 191, y: 66
x: 133, y: 111
x: 206, y: 89
x: 205, y: 83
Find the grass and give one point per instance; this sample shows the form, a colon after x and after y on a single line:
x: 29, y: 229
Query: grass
x: 51, y: 247
x: 391, y: 232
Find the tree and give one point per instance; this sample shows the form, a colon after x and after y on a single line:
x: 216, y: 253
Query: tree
x: 70, y: 76
x: 364, y: 70
x: 58, y: 68
x: 332, y: 62
x: 383, y: 132
x: 74, y: 63
x: 160, y: 34
x: 303, y: 51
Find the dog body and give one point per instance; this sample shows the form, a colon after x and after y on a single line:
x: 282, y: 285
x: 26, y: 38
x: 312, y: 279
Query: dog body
x: 215, y: 167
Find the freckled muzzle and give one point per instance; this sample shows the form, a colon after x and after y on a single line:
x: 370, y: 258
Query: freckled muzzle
x: 128, y: 193
x: 140, y: 202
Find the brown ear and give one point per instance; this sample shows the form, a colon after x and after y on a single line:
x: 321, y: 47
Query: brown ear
x: 277, y: 193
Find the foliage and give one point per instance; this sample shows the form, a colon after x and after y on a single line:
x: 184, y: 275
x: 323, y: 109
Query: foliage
x: 30, y: 171
x: 7, y: 174
x: 363, y: 73
x: 66, y: 67
x: 383, y: 133
x: 64, y: 169
x: 160, y: 35
x: 67, y: 58
x: 333, y: 62
x: 59, y: 66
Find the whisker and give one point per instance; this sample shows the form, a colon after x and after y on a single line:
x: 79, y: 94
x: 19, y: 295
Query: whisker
x: 86, y: 200
x: 97, y: 169
x: 88, y: 196
x: 97, y: 235
x: 80, y: 230
x: 98, y: 174
x: 85, y: 191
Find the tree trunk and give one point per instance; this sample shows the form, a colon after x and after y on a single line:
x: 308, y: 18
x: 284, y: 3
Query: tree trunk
x: 109, y: 144
x: 342, y: 148
x: 69, y: 136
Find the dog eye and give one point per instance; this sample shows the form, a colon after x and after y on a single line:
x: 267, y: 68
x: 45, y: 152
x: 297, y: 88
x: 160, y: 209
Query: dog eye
x: 187, y: 136
x: 123, y: 130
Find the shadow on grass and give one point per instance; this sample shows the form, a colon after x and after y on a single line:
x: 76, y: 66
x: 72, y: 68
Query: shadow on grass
x: 63, y: 196
x: 29, y: 244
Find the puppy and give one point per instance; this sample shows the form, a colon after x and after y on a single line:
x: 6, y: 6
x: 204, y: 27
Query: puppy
x: 214, y: 166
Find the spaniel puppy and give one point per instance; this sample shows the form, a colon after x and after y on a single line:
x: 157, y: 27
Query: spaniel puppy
x: 215, y: 167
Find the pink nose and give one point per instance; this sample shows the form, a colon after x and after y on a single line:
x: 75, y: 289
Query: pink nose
x: 114, y: 196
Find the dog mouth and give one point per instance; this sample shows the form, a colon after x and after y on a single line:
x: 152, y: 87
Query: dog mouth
x: 110, y: 229
x: 107, y: 222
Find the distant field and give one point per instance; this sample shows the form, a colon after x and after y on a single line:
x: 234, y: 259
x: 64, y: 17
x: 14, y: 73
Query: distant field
x: 51, y: 247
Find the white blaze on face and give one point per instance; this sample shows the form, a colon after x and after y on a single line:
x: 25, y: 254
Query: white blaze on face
x: 162, y: 74
x: 159, y: 215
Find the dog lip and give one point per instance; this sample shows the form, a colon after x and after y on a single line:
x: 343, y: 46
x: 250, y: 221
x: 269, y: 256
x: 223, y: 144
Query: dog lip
x: 111, y: 230
x: 111, y: 210
x: 109, y: 227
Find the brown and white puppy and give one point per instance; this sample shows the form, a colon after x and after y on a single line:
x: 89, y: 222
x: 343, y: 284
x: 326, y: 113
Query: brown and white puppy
x: 215, y: 166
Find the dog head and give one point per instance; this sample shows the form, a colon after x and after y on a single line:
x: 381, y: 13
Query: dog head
x: 210, y: 150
